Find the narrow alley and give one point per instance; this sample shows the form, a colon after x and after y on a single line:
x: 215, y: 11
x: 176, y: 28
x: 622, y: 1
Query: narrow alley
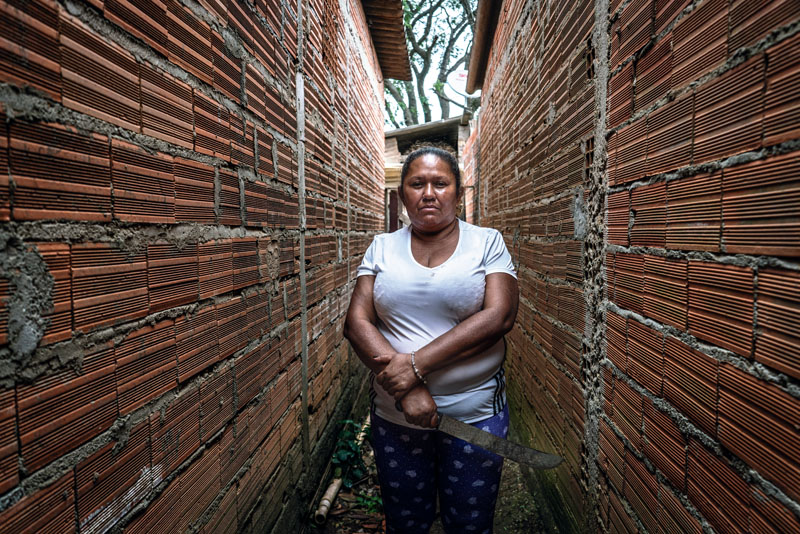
x: 188, y: 186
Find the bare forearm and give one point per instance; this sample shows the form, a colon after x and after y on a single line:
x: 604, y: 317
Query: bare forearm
x: 368, y: 342
x: 359, y: 326
x: 469, y: 338
x: 479, y: 331
x: 465, y: 340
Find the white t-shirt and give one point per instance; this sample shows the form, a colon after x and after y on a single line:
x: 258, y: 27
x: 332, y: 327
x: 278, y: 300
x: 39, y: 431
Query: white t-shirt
x: 417, y: 304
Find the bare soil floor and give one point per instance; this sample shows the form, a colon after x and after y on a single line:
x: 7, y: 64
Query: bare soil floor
x: 357, y: 510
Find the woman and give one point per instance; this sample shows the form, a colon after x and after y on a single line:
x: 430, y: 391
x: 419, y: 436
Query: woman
x: 427, y: 316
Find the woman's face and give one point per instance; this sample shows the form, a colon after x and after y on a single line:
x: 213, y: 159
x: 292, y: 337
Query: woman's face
x: 429, y: 194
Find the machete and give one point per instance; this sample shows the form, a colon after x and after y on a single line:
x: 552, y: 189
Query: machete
x: 503, y: 447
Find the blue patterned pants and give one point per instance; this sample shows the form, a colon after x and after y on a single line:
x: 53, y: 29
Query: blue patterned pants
x: 415, y: 465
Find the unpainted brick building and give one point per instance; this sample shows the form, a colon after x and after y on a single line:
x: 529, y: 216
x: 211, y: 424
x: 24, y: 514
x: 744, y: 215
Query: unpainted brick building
x: 185, y: 189
x: 642, y: 159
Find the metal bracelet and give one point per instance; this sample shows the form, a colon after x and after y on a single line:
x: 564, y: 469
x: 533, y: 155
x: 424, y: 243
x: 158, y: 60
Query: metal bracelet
x: 414, y: 367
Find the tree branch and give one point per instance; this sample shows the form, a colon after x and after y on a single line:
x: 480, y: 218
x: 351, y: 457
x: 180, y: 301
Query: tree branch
x: 441, y: 78
x: 421, y: 14
x: 455, y: 65
x: 451, y: 42
x: 390, y: 113
x: 417, y: 40
x: 398, y: 98
x: 442, y: 96
x: 465, y: 5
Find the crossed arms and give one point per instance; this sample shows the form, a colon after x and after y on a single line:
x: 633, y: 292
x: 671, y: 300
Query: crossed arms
x: 393, y: 369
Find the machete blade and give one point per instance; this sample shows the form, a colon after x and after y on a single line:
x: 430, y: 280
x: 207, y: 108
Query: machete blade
x: 503, y: 447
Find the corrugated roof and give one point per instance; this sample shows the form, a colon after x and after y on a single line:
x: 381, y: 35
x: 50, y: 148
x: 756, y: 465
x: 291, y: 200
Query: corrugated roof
x: 385, y: 21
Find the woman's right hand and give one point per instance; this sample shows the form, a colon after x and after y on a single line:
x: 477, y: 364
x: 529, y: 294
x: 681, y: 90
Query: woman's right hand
x: 419, y: 408
x: 397, y: 377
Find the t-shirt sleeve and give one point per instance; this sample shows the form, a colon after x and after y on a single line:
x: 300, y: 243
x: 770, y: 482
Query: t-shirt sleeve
x: 368, y: 265
x: 497, y: 258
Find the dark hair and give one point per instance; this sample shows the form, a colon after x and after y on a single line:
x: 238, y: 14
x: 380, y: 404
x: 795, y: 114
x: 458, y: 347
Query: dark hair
x: 444, y: 155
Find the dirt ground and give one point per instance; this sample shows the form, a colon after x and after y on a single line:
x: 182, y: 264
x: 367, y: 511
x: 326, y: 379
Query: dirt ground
x: 357, y: 510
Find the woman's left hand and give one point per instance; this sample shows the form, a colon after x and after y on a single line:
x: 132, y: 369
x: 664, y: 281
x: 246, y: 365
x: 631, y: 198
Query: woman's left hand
x: 419, y: 408
x: 398, y: 377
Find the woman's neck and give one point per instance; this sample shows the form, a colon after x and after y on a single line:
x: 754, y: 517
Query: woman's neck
x: 437, y: 235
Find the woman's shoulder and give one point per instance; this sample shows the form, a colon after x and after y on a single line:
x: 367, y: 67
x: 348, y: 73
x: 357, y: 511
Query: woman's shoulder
x: 483, y: 233
x: 390, y: 238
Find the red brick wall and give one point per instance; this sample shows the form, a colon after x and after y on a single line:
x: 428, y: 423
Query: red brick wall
x: 642, y: 159
x: 177, y: 251
x: 470, y: 177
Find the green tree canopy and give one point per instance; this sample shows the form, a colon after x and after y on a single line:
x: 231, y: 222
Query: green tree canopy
x: 439, y: 35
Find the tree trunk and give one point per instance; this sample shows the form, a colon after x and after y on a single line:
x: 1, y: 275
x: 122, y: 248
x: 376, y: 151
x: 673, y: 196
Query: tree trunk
x: 409, y: 110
